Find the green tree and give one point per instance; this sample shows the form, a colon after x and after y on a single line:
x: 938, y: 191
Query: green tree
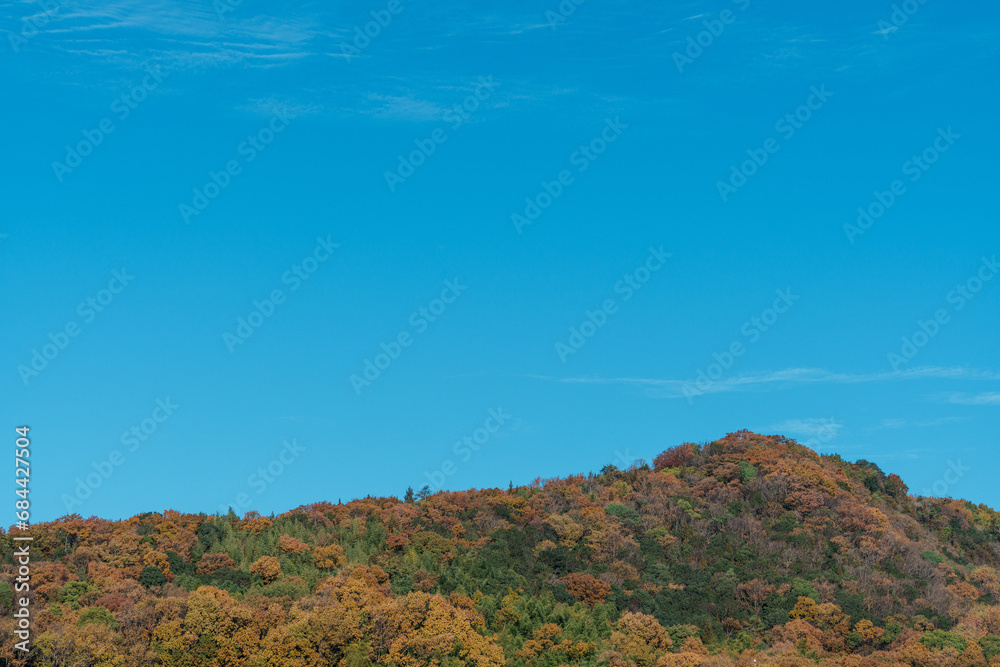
x: 626, y: 514
x: 72, y: 591
x: 990, y: 645
x: 98, y: 615
x: 6, y: 598
x: 152, y: 576
x: 357, y: 656
x: 939, y: 639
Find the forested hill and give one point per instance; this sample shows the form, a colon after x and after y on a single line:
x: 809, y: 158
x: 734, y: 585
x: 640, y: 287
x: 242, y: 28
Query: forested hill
x: 750, y: 547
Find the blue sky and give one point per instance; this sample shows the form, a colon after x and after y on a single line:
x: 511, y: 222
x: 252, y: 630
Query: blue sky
x: 540, y: 229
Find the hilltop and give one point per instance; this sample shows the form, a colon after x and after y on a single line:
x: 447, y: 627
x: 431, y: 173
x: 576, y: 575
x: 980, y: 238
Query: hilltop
x: 749, y: 547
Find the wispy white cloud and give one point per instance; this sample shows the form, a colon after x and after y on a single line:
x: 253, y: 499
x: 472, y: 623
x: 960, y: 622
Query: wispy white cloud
x: 271, y: 105
x: 186, y: 33
x: 526, y: 27
x: 785, y: 379
x: 895, y: 423
x: 985, y: 398
x: 405, y: 107
x: 821, y: 428
x: 940, y: 421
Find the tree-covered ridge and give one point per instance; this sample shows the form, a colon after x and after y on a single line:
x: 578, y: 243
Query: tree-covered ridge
x: 750, y: 547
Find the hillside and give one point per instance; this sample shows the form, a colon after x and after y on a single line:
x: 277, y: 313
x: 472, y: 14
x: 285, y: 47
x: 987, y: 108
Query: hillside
x: 750, y: 547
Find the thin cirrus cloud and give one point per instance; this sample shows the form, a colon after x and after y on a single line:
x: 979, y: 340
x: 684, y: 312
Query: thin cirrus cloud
x: 896, y: 423
x: 193, y: 37
x: 985, y: 398
x: 789, y: 378
x: 404, y: 107
x: 816, y: 427
x: 185, y: 33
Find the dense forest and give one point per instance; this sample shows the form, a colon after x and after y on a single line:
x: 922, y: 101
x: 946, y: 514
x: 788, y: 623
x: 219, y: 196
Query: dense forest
x: 749, y: 550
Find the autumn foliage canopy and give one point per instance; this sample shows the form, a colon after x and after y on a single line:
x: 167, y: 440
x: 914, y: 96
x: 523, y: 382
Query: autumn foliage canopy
x: 750, y: 548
